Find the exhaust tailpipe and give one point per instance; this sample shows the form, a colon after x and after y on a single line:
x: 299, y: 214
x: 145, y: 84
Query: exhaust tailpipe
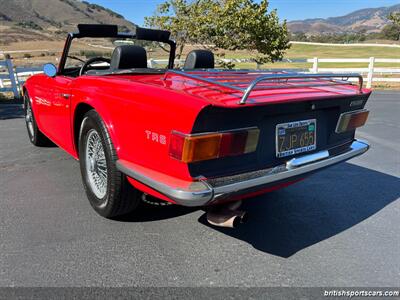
x: 226, y: 215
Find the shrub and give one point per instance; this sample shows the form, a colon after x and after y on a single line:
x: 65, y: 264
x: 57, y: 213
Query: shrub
x: 30, y: 24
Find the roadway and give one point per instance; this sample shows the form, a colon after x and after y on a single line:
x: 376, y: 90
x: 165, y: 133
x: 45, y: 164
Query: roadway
x: 338, y: 228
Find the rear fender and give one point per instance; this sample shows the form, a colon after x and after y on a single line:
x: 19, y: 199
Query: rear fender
x: 140, y: 118
x: 100, y: 108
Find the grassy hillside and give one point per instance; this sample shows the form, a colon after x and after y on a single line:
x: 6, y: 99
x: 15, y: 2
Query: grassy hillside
x: 38, y: 20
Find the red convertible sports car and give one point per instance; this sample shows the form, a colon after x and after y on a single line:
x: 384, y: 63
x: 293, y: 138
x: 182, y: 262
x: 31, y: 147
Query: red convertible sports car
x: 194, y: 136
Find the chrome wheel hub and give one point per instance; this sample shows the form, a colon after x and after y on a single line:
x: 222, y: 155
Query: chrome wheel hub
x: 92, y: 165
x: 96, y: 164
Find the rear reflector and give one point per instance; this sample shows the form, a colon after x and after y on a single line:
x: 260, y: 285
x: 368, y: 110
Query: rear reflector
x: 196, y: 147
x: 351, y: 120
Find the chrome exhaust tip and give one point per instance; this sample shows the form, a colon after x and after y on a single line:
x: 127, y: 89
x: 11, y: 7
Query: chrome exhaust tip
x: 226, y: 216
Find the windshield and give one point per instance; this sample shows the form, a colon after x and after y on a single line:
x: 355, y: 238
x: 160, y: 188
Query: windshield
x: 83, y: 49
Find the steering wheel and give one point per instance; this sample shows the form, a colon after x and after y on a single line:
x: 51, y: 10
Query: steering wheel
x: 90, y: 61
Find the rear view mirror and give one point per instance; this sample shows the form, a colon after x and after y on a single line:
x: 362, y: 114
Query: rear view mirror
x: 50, y: 70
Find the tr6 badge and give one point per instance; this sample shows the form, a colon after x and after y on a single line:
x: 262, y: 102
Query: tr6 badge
x: 156, y: 137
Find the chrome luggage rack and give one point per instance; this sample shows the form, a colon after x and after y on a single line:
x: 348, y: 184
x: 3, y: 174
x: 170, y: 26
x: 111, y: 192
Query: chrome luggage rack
x: 246, y: 81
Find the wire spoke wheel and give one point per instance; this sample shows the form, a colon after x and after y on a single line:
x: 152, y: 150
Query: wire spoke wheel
x: 96, y: 165
x: 108, y: 190
x: 36, y: 137
x: 29, y: 119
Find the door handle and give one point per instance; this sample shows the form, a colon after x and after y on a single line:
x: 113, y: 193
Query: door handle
x: 65, y: 96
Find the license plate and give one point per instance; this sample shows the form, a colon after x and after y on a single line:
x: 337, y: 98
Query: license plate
x: 296, y: 137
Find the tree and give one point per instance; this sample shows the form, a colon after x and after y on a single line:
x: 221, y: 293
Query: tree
x: 395, y: 17
x: 299, y: 37
x: 224, y: 24
x: 392, y: 31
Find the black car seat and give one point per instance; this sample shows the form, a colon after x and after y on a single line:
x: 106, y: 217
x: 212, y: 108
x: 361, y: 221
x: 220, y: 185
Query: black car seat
x: 199, y: 59
x: 128, y: 57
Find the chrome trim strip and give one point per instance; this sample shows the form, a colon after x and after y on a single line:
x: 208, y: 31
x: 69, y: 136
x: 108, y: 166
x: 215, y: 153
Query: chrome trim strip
x: 204, y: 193
x: 215, y: 132
x: 356, y: 148
x: 65, y: 96
x: 306, y: 159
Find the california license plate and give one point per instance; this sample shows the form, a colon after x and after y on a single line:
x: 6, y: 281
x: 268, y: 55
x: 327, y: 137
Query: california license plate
x: 296, y: 137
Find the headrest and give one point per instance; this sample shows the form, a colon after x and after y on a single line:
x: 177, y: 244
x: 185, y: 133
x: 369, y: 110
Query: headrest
x: 199, y: 59
x: 128, y: 57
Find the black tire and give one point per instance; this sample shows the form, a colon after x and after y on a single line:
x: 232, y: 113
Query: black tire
x: 35, y: 135
x: 120, y: 197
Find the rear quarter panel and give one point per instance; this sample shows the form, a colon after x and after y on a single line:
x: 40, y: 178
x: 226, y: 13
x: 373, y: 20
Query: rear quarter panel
x: 140, y: 118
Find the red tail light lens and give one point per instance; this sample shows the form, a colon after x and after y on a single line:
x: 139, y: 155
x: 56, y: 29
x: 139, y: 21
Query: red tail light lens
x: 198, y: 147
x: 352, y: 120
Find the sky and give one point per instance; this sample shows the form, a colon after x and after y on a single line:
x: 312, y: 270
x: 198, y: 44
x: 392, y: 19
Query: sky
x: 136, y: 10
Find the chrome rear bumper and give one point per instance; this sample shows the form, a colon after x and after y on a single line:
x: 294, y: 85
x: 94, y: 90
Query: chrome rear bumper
x: 203, y: 192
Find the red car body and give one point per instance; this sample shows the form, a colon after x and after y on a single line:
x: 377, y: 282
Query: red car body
x: 142, y: 111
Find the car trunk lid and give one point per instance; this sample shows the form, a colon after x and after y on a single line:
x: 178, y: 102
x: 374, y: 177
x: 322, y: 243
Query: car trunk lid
x: 323, y: 112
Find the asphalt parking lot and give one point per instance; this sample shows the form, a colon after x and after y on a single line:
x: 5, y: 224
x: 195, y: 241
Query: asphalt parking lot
x: 338, y: 228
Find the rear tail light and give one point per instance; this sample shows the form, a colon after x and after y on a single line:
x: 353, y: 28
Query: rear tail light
x: 196, y: 147
x: 351, y: 120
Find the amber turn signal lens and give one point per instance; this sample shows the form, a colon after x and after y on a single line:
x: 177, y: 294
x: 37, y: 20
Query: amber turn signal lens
x: 198, y: 147
x: 201, y: 147
x: 352, y: 120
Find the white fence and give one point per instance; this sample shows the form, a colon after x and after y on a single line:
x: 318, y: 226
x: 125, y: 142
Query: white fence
x: 369, y: 72
x: 8, y: 80
x: 12, y: 78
